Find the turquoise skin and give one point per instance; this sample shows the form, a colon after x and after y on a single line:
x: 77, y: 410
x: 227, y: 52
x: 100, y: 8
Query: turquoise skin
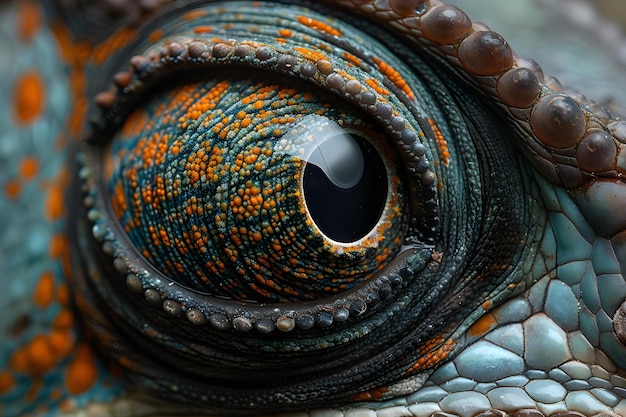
x: 543, y: 338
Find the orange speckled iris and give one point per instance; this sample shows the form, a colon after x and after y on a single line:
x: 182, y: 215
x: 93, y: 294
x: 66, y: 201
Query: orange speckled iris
x: 207, y: 186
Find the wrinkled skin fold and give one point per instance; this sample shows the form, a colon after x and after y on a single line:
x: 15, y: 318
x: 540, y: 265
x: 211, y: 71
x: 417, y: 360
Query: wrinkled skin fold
x: 302, y: 208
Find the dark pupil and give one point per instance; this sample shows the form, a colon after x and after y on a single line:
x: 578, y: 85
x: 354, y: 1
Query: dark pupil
x: 345, y: 187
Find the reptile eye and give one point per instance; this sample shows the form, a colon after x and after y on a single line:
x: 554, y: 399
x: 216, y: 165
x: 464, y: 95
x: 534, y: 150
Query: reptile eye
x: 255, y: 188
x: 273, y: 194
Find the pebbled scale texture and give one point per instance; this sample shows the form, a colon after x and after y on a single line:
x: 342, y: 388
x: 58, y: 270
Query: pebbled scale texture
x: 330, y: 208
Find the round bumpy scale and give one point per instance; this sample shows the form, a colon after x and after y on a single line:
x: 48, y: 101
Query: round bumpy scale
x: 596, y: 152
x: 446, y: 25
x: 485, y: 53
x: 518, y: 87
x: 558, y: 121
x: 404, y: 7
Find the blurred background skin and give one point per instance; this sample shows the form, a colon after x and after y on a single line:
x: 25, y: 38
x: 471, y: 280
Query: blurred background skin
x: 616, y: 9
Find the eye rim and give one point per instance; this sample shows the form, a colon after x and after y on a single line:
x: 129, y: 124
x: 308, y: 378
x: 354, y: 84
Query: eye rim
x: 181, y: 54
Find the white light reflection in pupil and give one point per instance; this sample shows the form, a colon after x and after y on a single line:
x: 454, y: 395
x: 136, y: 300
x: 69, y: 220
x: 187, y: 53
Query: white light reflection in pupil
x: 340, y: 159
x: 344, y: 180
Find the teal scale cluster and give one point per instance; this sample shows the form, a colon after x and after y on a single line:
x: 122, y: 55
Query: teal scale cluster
x: 211, y: 195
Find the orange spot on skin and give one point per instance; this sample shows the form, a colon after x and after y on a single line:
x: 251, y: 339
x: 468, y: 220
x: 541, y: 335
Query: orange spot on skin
x: 81, y: 373
x: 64, y: 320
x: 310, y: 54
x: 28, y: 97
x: 29, y: 168
x: 376, y: 87
x: 12, y: 189
x: 317, y: 25
x: 353, y: 59
x: 441, y: 142
x: 59, y: 248
x: 44, y: 290
x: 29, y: 19
x: 114, y: 43
x: 394, y: 76
x: 202, y: 29
x: 75, y: 55
x: 64, y: 41
x: 55, y: 206
x: 40, y: 354
x: 63, y: 295
x: 193, y: 15
x: 62, y: 342
x: 19, y: 360
x: 58, y: 245
x: 285, y: 33
x: 483, y: 325
x: 371, y: 395
x: 433, y: 357
x: 156, y: 35
x: 6, y: 382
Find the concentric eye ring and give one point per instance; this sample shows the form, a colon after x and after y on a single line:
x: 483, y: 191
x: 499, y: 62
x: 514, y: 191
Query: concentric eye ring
x: 345, y: 323
x: 188, y: 54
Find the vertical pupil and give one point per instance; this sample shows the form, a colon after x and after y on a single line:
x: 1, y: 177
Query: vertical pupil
x: 345, y: 187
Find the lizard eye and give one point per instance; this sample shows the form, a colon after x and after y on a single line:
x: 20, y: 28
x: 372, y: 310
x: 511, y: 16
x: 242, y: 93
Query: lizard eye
x: 274, y: 198
x: 256, y: 188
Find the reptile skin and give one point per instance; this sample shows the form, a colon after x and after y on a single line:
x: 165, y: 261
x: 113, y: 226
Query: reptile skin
x: 176, y: 239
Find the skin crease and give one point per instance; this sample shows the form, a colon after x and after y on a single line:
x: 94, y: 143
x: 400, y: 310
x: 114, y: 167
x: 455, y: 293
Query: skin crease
x: 46, y: 359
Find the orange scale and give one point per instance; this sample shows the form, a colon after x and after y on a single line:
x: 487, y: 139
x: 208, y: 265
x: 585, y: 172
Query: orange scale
x: 394, y: 76
x: 285, y: 33
x: 43, y: 295
x: 155, y: 35
x: 81, y: 372
x: 7, y: 382
x: 29, y: 19
x: 12, y: 189
x: 40, y: 355
x: 352, y: 59
x: 62, y: 343
x: 64, y: 320
x: 481, y: 327
x: 376, y: 86
x: 29, y: 95
x: 373, y: 394
x: 29, y: 168
x: 193, y: 15
x: 59, y: 246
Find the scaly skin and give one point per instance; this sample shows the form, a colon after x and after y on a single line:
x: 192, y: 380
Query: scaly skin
x: 507, y: 197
